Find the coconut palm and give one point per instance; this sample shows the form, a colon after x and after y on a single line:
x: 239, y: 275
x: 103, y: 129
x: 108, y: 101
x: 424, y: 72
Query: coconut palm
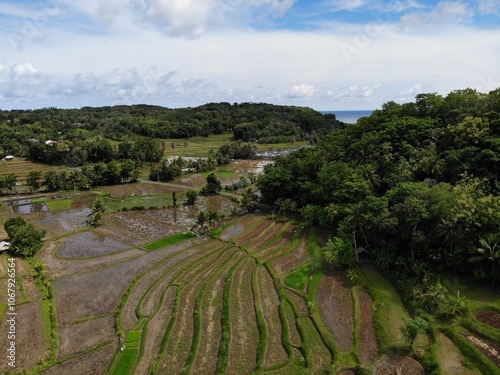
x: 490, y: 252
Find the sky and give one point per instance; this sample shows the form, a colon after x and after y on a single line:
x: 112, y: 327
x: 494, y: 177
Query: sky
x: 323, y: 54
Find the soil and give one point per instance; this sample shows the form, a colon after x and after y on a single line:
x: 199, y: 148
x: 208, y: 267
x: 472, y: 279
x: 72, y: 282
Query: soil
x: 320, y: 355
x: 488, y: 348
x: 369, y: 348
x: 120, y: 235
x: 94, y: 362
x: 77, y: 337
x: 489, y: 317
x: 29, y: 336
x: 239, y: 226
x: 293, y: 332
x: 244, y: 330
x: 179, y: 342
x: 297, y: 256
x: 89, y: 244
x: 62, y: 222
x: 206, y: 358
x: 398, y: 365
x: 269, y: 301
x: 155, y: 330
x: 347, y: 372
x: 335, y: 303
x: 129, y: 190
x: 129, y: 317
x: 141, y: 226
x: 98, y: 292
x: 31, y: 289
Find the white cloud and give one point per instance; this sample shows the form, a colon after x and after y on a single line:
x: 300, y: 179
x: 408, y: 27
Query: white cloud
x: 489, y: 7
x: 446, y: 12
x: 303, y: 90
x: 23, y: 69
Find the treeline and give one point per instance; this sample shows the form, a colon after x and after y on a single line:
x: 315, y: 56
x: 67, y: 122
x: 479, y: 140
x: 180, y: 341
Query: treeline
x: 89, y: 176
x: 415, y: 185
x: 169, y: 170
x: 81, y: 135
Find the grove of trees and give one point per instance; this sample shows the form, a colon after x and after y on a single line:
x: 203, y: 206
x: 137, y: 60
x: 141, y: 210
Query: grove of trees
x: 415, y: 185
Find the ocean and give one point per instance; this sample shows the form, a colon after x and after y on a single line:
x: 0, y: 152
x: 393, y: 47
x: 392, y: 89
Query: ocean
x: 349, y: 117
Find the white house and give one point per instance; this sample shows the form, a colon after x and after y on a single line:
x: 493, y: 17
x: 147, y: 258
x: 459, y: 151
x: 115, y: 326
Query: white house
x: 8, y: 157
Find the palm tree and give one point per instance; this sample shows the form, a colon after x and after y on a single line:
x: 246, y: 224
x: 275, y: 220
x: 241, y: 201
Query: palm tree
x: 201, y: 219
x: 489, y: 251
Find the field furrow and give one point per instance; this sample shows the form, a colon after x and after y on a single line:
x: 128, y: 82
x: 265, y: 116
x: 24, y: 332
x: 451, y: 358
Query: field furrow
x: 334, y: 300
x: 179, y: 342
x: 211, y: 315
x: 155, y: 330
x: 269, y: 301
x: 129, y: 316
x: 317, y: 352
x: 244, y: 330
x: 268, y: 244
x: 368, y: 348
x: 292, y: 259
x: 253, y: 232
x: 269, y: 237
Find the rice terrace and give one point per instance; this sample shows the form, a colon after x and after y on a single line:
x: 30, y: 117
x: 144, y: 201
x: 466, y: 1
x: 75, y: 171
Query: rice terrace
x: 179, y: 266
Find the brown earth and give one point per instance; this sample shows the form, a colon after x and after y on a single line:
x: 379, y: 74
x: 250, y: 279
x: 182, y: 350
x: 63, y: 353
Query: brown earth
x: 293, y: 332
x: 320, y: 355
x: 120, y: 235
x: 95, y: 362
x: 335, y: 303
x: 59, y: 267
x: 239, y: 226
x: 29, y: 338
x: 77, y: 337
x: 269, y: 302
x: 489, y: 317
x: 488, y: 348
x: 141, y: 226
x: 244, y: 330
x: 369, y: 349
x: 89, y: 244
x: 155, y: 330
x: 180, y: 340
x: 397, y: 366
x: 450, y: 359
x: 211, y: 329
x: 297, y: 256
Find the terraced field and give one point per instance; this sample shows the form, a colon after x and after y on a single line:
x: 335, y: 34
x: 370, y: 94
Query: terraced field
x: 117, y: 305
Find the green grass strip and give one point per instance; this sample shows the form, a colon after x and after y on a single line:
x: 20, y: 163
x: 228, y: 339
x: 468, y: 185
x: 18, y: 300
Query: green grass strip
x: 225, y: 342
x: 59, y: 204
x: 170, y: 240
x: 126, y: 361
x: 261, y: 322
x: 470, y: 352
x: 298, y: 279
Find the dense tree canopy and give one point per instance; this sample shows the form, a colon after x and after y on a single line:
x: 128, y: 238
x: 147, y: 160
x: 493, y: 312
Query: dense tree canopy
x: 76, y: 136
x: 413, y: 182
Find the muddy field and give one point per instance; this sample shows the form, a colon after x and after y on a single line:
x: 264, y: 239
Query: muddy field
x: 176, y: 298
x: 89, y: 244
x: 335, y: 303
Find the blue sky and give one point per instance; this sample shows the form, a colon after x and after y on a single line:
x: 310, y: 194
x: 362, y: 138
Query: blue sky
x: 325, y: 54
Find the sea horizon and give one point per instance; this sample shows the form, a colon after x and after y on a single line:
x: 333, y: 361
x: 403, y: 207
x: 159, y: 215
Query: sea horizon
x: 349, y: 116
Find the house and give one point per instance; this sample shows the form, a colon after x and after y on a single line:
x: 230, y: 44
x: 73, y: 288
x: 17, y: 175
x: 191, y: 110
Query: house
x: 50, y: 143
x: 4, y: 246
x: 8, y: 157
